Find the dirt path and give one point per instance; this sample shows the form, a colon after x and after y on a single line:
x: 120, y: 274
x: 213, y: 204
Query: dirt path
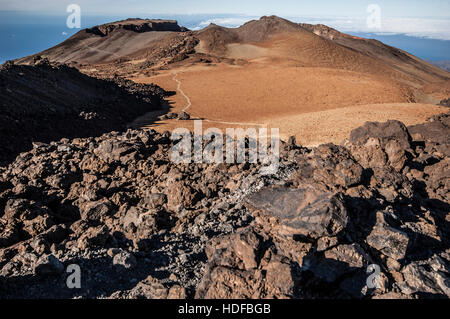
x: 188, y: 100
x: 189, y: 104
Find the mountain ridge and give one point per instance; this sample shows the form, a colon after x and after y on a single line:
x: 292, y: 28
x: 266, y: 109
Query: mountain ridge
x: 137, y: 39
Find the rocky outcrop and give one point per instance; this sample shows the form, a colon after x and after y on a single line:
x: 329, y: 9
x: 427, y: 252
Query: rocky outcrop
x: 380, y: 145
x: 137, y: 25
x: 367, y: 219
x: 445, y: 102
x: 301, y: 212
x: 327, y: 244
x: 434, y: 132
x: 324, y: 31
x: 46, y: 102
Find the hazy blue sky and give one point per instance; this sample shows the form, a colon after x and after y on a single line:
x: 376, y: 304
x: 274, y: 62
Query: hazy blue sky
x: 391, y: 8
x: 28, y: 26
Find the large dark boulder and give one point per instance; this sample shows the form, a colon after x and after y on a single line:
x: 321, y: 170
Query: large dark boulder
x: 305, y: 212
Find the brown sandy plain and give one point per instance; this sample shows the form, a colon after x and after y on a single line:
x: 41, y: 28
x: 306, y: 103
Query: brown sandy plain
x: 316, y: 105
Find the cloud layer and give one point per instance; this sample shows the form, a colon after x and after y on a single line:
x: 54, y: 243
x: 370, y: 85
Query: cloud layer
x: 417, y: 27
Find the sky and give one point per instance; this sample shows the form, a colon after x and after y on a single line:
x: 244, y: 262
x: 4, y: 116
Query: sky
x: 392, y: 8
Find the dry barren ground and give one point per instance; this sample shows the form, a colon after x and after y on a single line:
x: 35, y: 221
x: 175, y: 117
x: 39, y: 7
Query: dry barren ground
x: 312, y: 129
x: 317, y: 105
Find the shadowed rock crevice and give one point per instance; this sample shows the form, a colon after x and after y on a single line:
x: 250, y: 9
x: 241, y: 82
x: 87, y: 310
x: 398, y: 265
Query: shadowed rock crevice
x: 44, y: 103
